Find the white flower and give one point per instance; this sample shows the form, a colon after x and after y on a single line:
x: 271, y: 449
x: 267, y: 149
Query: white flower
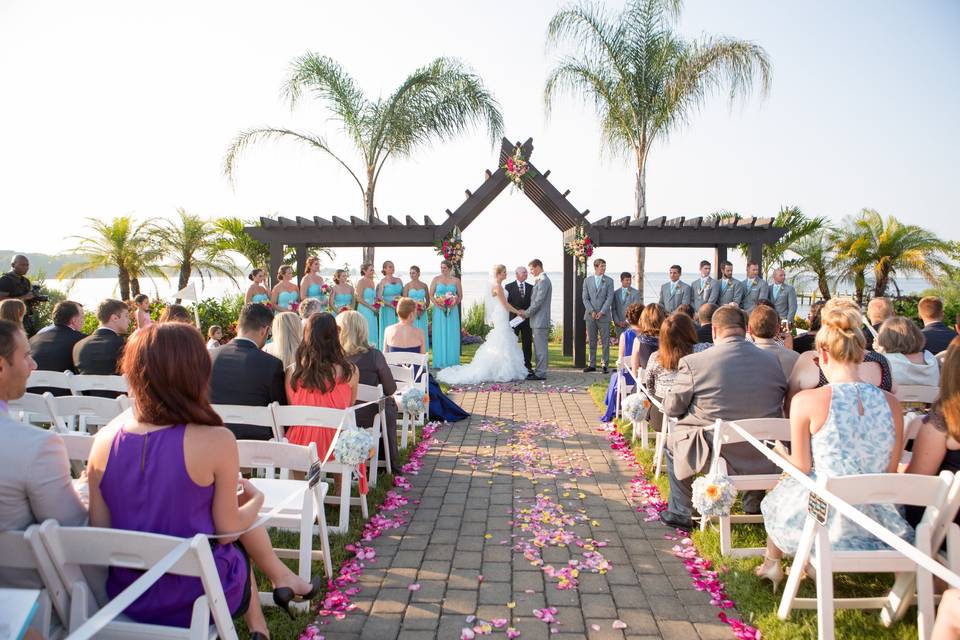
x: 412, y: 400
x: 713, y: 495
x: 633, y: 407
x: 353, y: 446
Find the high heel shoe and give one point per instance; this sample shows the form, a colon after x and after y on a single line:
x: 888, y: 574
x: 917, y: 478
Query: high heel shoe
x: 772, y: 572
x: 283, y: 596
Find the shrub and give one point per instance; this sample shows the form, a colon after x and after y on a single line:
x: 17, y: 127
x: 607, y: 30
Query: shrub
x: 473, y: 321
x: 222, y: 311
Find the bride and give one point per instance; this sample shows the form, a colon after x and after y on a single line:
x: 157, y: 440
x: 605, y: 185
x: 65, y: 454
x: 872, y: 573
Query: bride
x: 499, y: 358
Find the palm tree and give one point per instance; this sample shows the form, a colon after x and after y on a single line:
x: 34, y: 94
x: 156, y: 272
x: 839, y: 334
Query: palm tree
x: 120, y: 243
x: 815, y: 260
x: 232, y: 236
x: 192, y: 244
x: 798, y: 227
x: 643, y: 79
x: 436, y: 102
x: 853, y: 252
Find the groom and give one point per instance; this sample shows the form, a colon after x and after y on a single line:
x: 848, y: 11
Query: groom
x: 538, y: 314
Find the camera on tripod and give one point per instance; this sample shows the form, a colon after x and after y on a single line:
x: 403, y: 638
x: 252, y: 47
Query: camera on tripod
x: 37, y: 295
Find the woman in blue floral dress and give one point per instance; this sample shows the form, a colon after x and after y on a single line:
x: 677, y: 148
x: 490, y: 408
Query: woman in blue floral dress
x: 848, y: 427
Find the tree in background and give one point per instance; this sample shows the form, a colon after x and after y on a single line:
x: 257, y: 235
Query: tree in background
x: 644, y: 80
x: 231, y: 236
x: 121, y: 243
x: 191, y: 244
x: 436, y: 102
x: 815, y: 260
x: 798, y: 227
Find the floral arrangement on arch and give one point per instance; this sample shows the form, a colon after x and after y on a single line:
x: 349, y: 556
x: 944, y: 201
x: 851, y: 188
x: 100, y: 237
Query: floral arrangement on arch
x: 517, y: 168
x: 451, y: 248
x: 581, y: 248
x: 713, y: 495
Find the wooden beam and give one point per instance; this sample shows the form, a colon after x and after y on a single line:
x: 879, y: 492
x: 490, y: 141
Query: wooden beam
x: 467, y: 191
x: 276, y: 259
x: 301, y: 261
x: 579, y: 324
x: 719, y: 256
x: 565, y: 193
x: 411, y: 222
x: 568, y: 306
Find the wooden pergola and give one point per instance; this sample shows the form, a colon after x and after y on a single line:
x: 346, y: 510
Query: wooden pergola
x: 303, y: 233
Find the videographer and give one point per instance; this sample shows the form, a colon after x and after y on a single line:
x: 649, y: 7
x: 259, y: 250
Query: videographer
x: 14, y: 284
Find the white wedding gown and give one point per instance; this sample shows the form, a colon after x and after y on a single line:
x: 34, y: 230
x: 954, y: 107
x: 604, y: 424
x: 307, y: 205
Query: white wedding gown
x: 499, y: 358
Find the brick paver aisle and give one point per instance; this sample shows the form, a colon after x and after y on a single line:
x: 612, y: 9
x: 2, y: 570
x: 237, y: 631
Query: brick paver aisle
x: 457, y: 531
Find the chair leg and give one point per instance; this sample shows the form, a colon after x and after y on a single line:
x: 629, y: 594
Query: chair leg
x: 796, y: 570
x: 824, y: 585
x: 374, y: 462
x: 386, y: 443
x: 403, y: 430
x: 345, y: 485
x: 726, y: 543
x: 321, y: 515
x: 306, y: 537
x: 644, y: 434
x: 658, y: 454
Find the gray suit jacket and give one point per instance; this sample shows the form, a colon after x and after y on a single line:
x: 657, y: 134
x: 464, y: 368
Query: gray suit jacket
x: 709, y: 293
x: 34, y: 485
x: 786, y: 301
x: 753, y: 291
x: 733, y: 292
x: 595, y: 299
x: 733, y: 379
x: 683, y: 294
x: 620, y: 304
x: 538, y: 312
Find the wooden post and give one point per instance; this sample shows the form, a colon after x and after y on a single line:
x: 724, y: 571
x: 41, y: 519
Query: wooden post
x: 719, y: 255
x: 756, y: 255
x: 276, y: 259
x: 301, y: 261
x: 579, y: 324
x: 568, y: 305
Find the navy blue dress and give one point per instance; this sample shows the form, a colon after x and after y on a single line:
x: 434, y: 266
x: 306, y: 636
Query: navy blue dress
x: 629, y: 336
x: 441, y: 407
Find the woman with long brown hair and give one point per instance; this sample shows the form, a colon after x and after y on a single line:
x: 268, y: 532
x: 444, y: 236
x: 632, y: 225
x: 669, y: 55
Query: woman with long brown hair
x: 311, y: 284
x: 678, y: 338
x: 172, y: 448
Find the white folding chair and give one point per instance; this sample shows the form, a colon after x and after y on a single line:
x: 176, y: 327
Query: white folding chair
x: 242, y: 414
x: 408, y: 422
x: 325, y: 418
x: 77, y: 412
x: 941, y: 357
x: 83, y: 382
x: 24, y: 551
x: 407, y: 359
x: 663, y: 436
x: 296, y: 515
x: 50, y: 379
x: 917, y: 393
x: 723, y: 435
x: 30, y: 408
x: 933, y: 492
x: 623, y: 390
x: 70, y: 548
x: 368, y: 393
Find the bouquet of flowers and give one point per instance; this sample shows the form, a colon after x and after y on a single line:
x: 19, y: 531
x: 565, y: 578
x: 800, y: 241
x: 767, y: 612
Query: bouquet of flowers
x: 517, y: 168
x: 395, y: 302
x: 353, y: 446
x: 294, y: 306
x: 713, y: 495
x: 446, y: 301
x: 636, y: 408
x: 581, y: 248
x: 413, y: 401
x: 451, y: 248
x: 377, y: 303
x: 344, y: 308
x: 325, y: 289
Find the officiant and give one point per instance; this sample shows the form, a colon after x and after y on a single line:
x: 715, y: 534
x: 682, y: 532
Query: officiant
x: 518, y: 295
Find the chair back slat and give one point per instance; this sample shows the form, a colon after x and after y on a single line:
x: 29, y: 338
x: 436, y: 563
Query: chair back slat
x: 78, y: 445
x: 260, y: 454
x: 243, y: 414
x: 369, y: 393
x: 890, y: 488
x: 759, y: 428
x: 917, y: 393
x: 50, y: 379
x: 30, y: 403
x: 85, y: 382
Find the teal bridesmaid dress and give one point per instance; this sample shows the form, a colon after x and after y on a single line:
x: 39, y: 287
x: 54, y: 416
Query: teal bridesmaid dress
x: 420, y: 295
x: 373, y: 331
x: 260, y: 298
x: 314, y: 291
x: 446, y: 331
x: 342, y: 300
x: 286, y: 298
x: 388, y: 315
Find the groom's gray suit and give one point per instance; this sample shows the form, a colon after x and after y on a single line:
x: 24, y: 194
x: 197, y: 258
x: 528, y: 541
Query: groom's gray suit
x: 538, y: 314
x: 598, y: 299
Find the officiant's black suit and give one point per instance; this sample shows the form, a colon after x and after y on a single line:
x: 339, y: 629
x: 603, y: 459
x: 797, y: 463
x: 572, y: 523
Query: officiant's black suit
x: 521, y: 301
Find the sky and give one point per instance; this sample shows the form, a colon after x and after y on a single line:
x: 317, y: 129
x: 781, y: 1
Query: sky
x: 113, y: 108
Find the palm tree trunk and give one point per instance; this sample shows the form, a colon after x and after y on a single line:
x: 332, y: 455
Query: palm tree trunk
x: 641, y: 196
x: 824, y: 286
x: 369, y: 212
x: 859, y: 283
x: 134, y: 286
x: 184, y: 278
x: 883, y: 281
x: 124, y: 279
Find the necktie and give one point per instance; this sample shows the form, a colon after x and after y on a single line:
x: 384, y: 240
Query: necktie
x: 673, y: 288
x: 598, y: 280
x: 776, y: 291
x: 623, y: 295
x: 521, y: 289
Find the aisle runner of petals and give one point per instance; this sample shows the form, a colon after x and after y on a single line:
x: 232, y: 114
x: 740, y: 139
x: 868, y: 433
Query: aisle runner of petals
x: 705, y: 578
x: 515, y: 387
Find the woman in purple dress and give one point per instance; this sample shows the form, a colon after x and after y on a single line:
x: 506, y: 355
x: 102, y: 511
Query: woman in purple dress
x: 169, y: 466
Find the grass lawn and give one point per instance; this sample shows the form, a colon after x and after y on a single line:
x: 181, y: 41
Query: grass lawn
x: 754, y: 598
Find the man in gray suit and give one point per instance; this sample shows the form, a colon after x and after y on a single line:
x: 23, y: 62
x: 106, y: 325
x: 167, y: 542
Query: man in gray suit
x: 538, y: 313
x: 754, y: 288
x: 34, y: 469
x: 597, y: 299
x: 783, y: 296
x: 676, y: 292
x: 623, y: 298
x: 732, y: 380
x: 704, y: 288
x: 731, y: 289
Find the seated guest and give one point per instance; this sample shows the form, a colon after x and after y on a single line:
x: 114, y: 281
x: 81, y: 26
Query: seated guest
x: 176, y: 313
x: 938, y: 335
x: 733, y: 379
x: 287, y: 336
x: 878, y: 311
x: 34, y: 469
x: 13, y: 310
x: 687, y: 310
x: 805, y: 341
x: 182, y: 483
x: 373, y: 368
x: 214, y: 336
x: 245, y: 375
x: 678, y: 338
x: 848, y: 427
x: 705, y: 316
x: 807, y: 373
x: 99, y: 353
x: 764, y: 327
x: 902, y: 342
x: 52, y: 349
x: 406, y: 336
x: 309, y: 307
x: 625, y: 350
x: 646, y: 341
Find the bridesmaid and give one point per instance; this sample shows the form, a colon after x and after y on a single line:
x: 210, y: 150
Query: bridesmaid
x: 285, y: 293
x: 446, y: 321
x: 419, y: 292
x: 366, y: 293
x: 342, y: 293
x: 312, y: 282
x: 256, y: 292
x: 390, y: 288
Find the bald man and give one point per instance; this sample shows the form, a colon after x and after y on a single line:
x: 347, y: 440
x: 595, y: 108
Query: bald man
x: 14, y: 284
x: 783, y: 296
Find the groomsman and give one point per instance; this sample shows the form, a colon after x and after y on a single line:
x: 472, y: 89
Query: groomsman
x: 597, y: 299
x: 704, y: 288
x: 675, y: 293
x: 731, y: 289
x: 518, y: 296
x: 754, y: 288
x: 623, y: 298
x: 783, y: 296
